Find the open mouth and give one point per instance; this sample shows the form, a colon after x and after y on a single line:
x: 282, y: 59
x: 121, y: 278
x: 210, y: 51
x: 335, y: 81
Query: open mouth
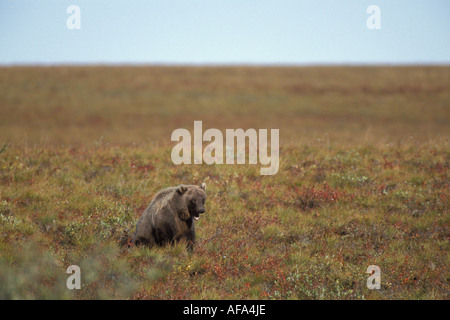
x: 196, y: 218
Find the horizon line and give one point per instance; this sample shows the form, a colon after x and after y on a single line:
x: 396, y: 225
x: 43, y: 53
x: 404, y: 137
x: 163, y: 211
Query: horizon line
x: 225, y: 64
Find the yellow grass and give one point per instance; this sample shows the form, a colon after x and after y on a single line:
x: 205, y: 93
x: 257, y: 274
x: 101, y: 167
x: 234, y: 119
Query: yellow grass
x: 363, y: 180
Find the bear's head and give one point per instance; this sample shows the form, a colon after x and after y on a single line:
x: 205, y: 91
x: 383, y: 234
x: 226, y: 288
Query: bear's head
x: 193, y: 199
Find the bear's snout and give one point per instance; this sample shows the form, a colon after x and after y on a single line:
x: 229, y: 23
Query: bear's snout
x: 196, y: 216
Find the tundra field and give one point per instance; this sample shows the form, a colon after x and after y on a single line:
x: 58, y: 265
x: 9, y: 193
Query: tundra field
x: 363, y: 180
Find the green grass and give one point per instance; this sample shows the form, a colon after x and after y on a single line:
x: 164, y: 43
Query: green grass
x: 363, y: 180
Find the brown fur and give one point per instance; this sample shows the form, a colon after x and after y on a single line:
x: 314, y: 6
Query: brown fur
x: 171, y: 216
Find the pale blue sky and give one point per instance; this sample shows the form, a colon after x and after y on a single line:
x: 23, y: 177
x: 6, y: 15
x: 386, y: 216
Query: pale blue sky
x: 225, y: 32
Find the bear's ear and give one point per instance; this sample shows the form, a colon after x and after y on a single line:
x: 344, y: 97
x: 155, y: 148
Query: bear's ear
x: 203, y: 186
x: 181, y: 189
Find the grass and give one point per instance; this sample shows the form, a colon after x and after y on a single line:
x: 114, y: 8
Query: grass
x: 363, y: 180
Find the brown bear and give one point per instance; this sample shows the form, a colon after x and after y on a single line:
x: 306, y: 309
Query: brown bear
x: 170, y: 216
